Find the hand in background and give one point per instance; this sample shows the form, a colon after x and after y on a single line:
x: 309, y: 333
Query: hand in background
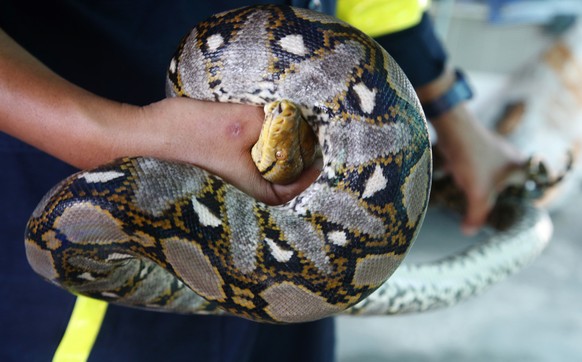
x: 478, y: 160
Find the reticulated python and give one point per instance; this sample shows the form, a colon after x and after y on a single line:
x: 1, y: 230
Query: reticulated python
x: 162, y: 235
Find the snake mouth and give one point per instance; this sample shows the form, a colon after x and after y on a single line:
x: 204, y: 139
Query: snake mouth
x: 269, y: 168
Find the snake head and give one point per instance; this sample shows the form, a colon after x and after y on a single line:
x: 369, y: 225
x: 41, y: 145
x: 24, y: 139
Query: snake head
x: 286, y: 144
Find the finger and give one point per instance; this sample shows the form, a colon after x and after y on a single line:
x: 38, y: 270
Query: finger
x: 478, y: 208
x: 285, y: 193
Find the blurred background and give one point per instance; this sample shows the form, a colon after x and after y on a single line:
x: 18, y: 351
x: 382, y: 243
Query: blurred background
x: 524, y: 60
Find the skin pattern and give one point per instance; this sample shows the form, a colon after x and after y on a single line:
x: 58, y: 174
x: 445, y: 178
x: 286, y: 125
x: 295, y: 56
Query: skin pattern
x: 169, y: 236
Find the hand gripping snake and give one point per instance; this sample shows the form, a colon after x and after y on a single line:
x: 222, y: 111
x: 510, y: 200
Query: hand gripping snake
x: 163, y: 235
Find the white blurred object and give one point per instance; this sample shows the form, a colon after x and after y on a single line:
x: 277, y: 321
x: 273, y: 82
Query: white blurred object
x: 532, y: 11
x: 539, y: 109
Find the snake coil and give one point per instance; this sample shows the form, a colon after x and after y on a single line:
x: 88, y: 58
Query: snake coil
x: 168, y: 236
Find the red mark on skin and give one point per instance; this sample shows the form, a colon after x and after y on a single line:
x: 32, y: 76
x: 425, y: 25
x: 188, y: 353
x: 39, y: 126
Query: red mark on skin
x: 243, y: 128
x: 234, y: 129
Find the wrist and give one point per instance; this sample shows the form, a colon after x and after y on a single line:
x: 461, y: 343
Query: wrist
x: 444, y: 94
x: 433, y: 89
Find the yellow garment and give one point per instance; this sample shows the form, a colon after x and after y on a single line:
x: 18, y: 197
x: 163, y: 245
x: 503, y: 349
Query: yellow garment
x: 380, y: 17
x: 82, y: 330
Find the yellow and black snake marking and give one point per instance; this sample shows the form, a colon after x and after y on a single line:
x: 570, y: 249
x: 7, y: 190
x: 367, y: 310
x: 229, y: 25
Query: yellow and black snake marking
x: 146, y: 232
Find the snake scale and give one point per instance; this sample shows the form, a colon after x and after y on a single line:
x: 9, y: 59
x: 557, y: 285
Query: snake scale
x: 169, y: 236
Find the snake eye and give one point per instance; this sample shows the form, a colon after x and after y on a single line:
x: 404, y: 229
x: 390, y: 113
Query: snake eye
x: 279, y: 155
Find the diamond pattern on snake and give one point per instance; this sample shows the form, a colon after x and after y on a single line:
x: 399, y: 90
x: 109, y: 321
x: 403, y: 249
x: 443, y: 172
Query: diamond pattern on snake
x: 169, y: 236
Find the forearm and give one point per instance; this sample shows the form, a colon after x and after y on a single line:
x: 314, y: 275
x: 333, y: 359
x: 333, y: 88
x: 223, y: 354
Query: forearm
x: 445, y: 122
x: 42, y: 109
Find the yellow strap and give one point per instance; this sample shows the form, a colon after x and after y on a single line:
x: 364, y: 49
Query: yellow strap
x: 380, y: 17
x: 82, y: 330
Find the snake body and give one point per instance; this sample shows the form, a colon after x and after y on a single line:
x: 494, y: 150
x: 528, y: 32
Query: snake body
x: 446, y: 282
x: 169, y: 236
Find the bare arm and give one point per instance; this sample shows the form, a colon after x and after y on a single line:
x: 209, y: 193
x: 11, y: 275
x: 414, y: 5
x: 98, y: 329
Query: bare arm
x: 478, y: 160
x: 44, y: 110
